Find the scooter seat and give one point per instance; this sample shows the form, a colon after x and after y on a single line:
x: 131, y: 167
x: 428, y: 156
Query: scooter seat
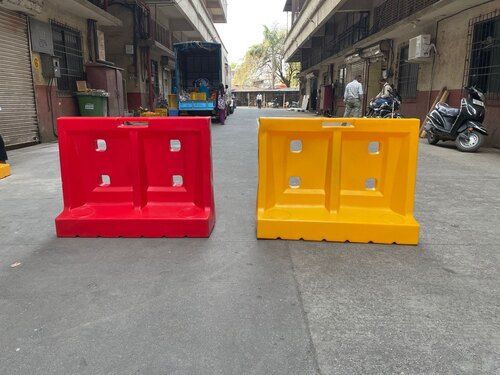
x: 446, y: 110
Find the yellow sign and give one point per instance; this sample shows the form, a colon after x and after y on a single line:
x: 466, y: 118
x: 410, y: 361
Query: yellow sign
x: 36, y: 63
x: 4, y: 170
x: 337, y: 179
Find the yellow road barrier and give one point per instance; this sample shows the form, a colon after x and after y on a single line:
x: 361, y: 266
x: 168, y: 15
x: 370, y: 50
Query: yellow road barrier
x: 337, y: 179
x: 4, y: 170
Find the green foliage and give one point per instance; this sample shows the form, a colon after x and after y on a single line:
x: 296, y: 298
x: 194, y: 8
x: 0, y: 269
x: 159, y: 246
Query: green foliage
x: 245, y: 73
x: 292, y: 72
x: 265, y: 61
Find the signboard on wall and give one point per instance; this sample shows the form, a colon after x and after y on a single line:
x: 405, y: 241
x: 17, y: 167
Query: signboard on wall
x: 129, y: 49
x: 101, y: 46
x: 41, y: 37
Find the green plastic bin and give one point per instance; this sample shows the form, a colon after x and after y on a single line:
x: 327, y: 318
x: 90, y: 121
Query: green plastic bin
x: 93, y: 103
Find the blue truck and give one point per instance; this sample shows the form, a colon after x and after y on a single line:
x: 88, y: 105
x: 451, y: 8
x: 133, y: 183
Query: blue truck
x: 201, y: 67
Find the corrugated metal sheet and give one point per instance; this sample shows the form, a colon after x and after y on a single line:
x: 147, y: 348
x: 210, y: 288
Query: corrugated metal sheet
x: 18, y: 120
x: 356, y: 68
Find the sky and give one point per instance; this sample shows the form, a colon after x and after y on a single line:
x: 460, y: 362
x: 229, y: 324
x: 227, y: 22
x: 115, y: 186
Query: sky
x: 244, y: 24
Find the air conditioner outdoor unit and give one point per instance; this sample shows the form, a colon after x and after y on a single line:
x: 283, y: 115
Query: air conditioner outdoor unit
x: 420, y: 48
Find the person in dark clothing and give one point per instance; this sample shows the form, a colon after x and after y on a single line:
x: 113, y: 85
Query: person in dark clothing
x: 221, y: 104
x: 3, y: 152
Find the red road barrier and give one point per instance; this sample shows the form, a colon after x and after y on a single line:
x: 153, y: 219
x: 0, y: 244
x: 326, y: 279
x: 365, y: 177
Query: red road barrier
x: 130, y: 177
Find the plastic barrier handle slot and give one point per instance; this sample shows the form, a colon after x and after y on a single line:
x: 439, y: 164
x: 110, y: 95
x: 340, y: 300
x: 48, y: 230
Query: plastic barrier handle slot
x: 337, y: 124
x: 140, y: 124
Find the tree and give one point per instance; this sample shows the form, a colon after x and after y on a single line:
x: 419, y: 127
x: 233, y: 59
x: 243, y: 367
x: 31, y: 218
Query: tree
x: 266, y: 61
x: 291, y: 75
x: 246, y: 72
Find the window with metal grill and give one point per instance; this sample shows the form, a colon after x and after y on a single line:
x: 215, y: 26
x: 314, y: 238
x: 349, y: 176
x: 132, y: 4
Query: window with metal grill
x: 392, y: 11
x: 68, y: 47
x: 407, y: 76
x: 485, y: 57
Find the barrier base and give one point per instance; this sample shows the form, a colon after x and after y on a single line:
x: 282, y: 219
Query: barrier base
x: 348, y: 225
x: 4, y: 170
x: 152, y: 221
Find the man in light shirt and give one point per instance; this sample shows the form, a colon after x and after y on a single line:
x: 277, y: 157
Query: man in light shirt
x: 259, y: 100
x: 386, y: 89
x: 353, y: 97
x: 384, y: 96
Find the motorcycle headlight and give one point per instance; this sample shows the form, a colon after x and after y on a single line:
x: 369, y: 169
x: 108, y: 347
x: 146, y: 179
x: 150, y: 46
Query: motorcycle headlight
x: 481, y: 96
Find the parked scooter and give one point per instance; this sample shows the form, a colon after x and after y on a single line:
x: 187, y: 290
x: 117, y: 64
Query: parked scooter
x: 463, y: 125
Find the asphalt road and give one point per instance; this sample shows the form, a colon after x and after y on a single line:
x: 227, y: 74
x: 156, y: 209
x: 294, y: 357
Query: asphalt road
x: 234, y: 305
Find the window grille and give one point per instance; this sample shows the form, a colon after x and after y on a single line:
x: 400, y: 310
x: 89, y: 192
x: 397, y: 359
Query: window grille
x: 483, y: 63
x: 68, y: 47
x: 407, y: 76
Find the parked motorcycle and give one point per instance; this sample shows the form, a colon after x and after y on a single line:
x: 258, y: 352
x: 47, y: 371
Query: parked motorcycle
x: 388, y: 108
x: 463, y: 125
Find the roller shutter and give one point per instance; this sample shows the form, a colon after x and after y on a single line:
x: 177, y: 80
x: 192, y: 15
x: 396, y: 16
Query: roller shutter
x: 18, y: 119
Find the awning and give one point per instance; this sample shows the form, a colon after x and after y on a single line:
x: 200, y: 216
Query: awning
x: 379, y: 50
x: 351, y: 59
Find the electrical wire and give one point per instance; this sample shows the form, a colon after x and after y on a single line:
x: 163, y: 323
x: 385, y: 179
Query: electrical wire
x: 50, y: 106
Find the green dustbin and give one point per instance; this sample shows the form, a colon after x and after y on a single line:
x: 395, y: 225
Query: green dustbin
x: 93, y: 103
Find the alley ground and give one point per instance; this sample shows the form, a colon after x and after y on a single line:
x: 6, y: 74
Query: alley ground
x: 233, y: 305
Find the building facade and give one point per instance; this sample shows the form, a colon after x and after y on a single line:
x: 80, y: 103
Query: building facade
x: 39, y: 40
x: 337, y: 40
x: 47, y: 46
x: 143, y: 47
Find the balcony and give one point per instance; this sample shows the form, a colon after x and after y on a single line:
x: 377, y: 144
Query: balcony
x: 388, y: 13
x: 310, y: 43
x: 294, y: 7
x: 151, y: 32
x: 217, y: 9
x: 161, y: 35
x: 31, y: 7
x: 393, y: 11
x: 87, y: 9
x: 307, y: 19
x: 348, y: 38
x: 338, y: 43
x: 191, y: 18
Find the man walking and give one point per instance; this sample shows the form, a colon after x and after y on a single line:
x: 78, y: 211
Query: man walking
x: 353, y: 97
x: 259, y: 100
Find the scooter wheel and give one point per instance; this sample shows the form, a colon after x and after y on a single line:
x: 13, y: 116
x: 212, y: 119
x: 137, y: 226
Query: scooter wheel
x: 431, y: 138
x: 472, y: 143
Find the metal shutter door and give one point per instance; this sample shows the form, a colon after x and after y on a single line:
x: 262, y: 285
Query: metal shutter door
x: 357, y: 68
x: 18, y: 120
